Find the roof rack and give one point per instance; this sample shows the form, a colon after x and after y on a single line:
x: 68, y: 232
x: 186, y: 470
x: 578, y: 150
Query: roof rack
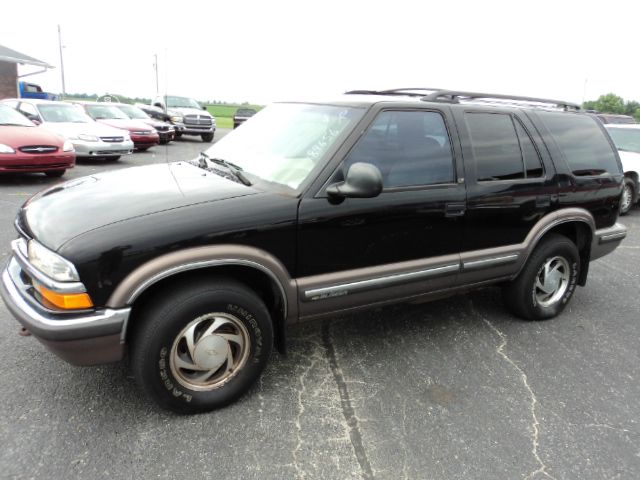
x: 411, y: 92
x: 454, y: 96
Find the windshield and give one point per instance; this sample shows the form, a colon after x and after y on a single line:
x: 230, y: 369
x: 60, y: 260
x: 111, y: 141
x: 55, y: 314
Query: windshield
x: 627, y: 139
x: 284, y: 142
x: 106, y: 112
x: 178, y: 102
x: 133, y: 112
x: 63, y: 113
x: 8, y: 116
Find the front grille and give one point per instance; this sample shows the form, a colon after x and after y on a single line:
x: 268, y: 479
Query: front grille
x: 112, y: 139
x: 162, y: 128
x: 112, y: 152
x: 39, y: 149
x: 198, y: 120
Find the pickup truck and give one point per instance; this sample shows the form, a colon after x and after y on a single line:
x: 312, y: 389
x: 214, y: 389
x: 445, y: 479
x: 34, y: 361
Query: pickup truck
x: 31, y: 90
x: 188, y: 116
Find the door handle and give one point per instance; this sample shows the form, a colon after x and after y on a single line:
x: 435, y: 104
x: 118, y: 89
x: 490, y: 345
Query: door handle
x: 543, y: 201
x: 453, y: 210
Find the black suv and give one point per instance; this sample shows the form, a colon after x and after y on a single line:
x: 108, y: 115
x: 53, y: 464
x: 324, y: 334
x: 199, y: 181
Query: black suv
x: 242, y: 115
x: 377, y: 197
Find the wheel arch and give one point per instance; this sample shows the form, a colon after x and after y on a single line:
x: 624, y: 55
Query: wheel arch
x: 577, y: 224
x: 255, y: 268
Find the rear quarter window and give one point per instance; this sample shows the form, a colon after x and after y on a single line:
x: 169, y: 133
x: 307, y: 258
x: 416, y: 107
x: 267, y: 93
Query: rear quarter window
x: 582, y: 142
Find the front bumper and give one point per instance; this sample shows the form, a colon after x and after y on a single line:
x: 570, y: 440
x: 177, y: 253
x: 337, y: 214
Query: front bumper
x: 606, y: 240
x: 86, y: 338
x: 145, y: 140
x: 21, y: 162
x: 102, y: 149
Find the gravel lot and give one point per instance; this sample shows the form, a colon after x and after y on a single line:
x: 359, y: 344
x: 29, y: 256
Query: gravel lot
x: 455, y: 389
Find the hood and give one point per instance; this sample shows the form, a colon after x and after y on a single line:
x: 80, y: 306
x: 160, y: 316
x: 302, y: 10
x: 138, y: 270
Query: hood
x: 58, y: 214
x: 73, y: 129
x: 630, y: 161
x: 131, y: 125
x: 188, y: 111
x: 17, y: 137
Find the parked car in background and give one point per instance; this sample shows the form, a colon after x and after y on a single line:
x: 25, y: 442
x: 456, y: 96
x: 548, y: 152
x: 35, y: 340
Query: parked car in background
x: 26, y: 148
x: 184, y: 110
x: 611, y: 118
x: 165, y: 130
x: 90, y: 139
x: 242, y: 115
x: 627, y: 140
x: 198, y: 267
x: 31, y: 90
x: 142, y: 135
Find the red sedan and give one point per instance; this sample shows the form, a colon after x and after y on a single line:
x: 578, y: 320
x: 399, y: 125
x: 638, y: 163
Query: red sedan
x: 142, y: 135
x: 27, y: 148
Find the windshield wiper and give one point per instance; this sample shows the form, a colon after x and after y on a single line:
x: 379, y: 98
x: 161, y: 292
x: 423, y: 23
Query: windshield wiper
x: 235, y: 170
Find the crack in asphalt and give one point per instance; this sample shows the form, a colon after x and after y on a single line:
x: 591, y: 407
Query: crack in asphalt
x: 347, y: 408
x: 535, y: 437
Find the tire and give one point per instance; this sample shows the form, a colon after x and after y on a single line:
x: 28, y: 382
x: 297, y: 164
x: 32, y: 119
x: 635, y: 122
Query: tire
x: 178, y: 134
x: 55, y: 173
x: 628, y: 192
x: 207, y: 137
x: 164, y: 141
x: 112, y: 159
x: 182, y: 316
x: 536, y: 295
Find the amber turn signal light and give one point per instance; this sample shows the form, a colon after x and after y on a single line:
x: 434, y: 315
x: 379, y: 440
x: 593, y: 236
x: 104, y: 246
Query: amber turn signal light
x: 66, y: 301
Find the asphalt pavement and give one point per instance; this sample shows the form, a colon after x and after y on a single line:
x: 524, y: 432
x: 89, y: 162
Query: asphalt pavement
x: 454, y: 389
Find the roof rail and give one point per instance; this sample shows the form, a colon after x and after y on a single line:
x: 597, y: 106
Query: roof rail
x: 453, y: 96
x: 411, y: 92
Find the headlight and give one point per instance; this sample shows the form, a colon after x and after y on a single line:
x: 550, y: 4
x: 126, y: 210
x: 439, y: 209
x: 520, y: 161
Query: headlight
x: 51, y: 264
x: 67, y: 147
x: 87, y: 138
x: 176, y: 119
x: 6, y: 149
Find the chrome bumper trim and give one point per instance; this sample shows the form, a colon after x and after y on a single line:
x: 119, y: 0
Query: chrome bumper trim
x: 49, y: 326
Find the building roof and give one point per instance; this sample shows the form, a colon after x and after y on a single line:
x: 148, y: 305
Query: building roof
x: 11, y: 56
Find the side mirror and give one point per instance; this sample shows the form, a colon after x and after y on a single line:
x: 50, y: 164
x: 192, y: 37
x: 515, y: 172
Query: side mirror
x: 35, y: 121
x: 363, y: 180
x: 204, y: 107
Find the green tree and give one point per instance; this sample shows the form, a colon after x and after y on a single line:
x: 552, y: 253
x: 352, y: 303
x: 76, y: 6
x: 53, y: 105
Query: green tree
x: 610, y: 103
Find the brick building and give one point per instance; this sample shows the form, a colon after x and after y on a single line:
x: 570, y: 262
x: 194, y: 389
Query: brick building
x: 9, y: 60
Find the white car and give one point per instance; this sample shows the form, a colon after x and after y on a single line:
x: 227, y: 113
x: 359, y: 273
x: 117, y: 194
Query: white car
x: 90, y: 138
x: 627, y: 140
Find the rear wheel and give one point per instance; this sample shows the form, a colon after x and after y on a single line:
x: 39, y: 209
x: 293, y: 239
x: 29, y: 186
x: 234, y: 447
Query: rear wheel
x: 626, y: 201
x: 201, y: 346
x: 207, y: 137
x: 547, y: 281
x: 55, y: 173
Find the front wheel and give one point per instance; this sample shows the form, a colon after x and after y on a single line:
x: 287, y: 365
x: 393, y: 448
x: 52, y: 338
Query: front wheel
x: 207, y: 137
x: 626, y: 201
x: 201, y: 346
x: 547, y: 281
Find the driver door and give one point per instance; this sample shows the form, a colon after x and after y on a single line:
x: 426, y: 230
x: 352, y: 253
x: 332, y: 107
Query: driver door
x: 402, y: 243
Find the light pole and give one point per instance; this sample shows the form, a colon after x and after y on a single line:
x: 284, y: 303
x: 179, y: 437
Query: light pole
x: 155, y: 67
x: 64, y: 89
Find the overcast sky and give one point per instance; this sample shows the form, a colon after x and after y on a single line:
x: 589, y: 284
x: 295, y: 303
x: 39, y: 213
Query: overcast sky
x: 262, y: 51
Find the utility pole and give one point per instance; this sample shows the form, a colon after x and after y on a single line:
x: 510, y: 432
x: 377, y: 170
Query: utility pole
x: 64, y: 89
x: 155, y: 67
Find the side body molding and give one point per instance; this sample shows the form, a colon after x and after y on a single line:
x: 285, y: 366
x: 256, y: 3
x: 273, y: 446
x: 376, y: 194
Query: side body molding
x: 170, y: 264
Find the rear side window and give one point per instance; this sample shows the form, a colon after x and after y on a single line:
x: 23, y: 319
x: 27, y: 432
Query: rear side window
x: 582, y: 142
x: 502, y: 148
